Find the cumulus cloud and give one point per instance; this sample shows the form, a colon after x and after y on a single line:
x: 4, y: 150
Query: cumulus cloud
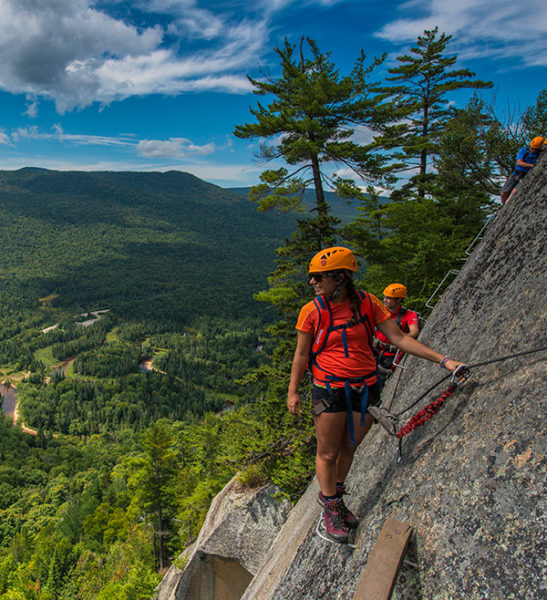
x: 499, y: 29
x: 4, y: 139
x: 76, y: 53
x: 173, y: 148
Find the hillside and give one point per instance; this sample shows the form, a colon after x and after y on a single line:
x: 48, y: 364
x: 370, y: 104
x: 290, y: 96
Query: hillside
x: 138, y: 243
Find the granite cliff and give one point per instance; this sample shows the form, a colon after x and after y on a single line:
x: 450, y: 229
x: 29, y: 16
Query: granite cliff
x: 471, y: 480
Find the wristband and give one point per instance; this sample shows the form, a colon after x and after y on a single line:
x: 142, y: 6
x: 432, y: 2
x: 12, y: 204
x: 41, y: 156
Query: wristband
x: 443, y: 362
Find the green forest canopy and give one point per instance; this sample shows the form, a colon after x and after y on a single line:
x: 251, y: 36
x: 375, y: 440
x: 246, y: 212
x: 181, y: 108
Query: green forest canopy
x: 121, y: 455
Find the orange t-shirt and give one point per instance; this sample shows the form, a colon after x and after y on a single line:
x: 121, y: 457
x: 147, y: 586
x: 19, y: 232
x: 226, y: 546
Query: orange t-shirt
x: 332, y: 358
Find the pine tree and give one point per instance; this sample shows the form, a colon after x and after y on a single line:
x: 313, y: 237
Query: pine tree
x: 310, y: 121
x: 312, y: 117
x: 417, y: 108
x: 534, y: 119
x: 472, y: 152
x: 160, y: 458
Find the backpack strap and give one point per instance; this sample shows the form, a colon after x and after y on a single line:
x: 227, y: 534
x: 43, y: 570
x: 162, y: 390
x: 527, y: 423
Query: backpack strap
x: 402, y: 312
x: 325, y: 324
x: 324, y: 328
x: 364, y: 318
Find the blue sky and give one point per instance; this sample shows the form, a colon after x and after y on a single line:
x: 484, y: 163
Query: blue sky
x: 155, y: 85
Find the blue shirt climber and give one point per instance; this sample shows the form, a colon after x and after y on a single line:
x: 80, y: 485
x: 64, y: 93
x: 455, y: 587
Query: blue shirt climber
x: 526, y: 159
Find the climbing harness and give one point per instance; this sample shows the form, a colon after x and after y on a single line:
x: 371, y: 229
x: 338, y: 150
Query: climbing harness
x: 324, y: 328
x: 389, y: 421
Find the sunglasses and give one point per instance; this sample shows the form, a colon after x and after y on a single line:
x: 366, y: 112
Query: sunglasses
x: 317, y: 276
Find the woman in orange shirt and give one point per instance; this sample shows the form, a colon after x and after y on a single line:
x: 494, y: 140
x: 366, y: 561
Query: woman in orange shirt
x: 335, y: 340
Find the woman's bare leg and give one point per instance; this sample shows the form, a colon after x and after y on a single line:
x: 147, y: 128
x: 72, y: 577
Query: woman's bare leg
x: 334, y: 449
x: 330, y: 429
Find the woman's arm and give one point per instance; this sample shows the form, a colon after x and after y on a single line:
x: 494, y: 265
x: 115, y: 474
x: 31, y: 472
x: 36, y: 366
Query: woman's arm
x: 299, y: 366
x: 408, y: 344
x: 413, y: 330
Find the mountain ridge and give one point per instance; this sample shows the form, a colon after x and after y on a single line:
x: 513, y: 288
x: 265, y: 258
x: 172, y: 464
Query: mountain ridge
x: 101, y: 231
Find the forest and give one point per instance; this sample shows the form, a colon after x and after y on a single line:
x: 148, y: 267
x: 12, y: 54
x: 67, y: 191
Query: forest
x: 142, y: 413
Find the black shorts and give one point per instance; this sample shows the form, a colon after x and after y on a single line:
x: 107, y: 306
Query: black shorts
x: 338, y: 402
x: 510, y: 183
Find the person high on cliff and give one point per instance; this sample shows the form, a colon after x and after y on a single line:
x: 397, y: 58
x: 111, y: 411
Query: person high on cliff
x: 335, y: 333
x: 526, y: 159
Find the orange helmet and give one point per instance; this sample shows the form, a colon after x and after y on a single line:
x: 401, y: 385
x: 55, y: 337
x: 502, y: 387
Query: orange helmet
x: 395, y: 290
x: 331, y: 259
x: 536, y: 143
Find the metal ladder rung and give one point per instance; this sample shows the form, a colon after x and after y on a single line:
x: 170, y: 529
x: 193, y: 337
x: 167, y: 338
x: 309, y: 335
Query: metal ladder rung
x: 479, y: 235
x: 451, y: 272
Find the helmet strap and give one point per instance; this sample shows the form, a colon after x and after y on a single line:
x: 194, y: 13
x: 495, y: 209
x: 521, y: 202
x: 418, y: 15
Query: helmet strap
x: 338, y: 289
x: 336, y: 292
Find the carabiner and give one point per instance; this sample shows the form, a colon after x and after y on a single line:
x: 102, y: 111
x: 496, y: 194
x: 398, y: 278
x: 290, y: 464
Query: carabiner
x: 400, y: 450
x: 463, y: 372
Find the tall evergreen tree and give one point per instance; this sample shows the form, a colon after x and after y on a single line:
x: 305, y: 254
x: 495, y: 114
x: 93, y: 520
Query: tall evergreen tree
x: 472, y: 151
x: 311, y: 118
x: 534, y: 119
x: 309, y: 122
x: 160, y: 457
x: 417, y: 107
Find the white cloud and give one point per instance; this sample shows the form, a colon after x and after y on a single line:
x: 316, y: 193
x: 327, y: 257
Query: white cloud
x: 500, y: 29
x: 188, y: 19
x: 362, y: 135
x: 57, y: 134
x: 75, y: 53
x: 172, y: 148
x: 40, y: 43
x: 161, y: 73
x: 32, y: 106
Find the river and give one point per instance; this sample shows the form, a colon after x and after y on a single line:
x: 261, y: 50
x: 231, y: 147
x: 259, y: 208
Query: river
x: 9, y: 395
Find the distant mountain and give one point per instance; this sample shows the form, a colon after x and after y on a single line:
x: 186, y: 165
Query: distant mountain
x: 137, y: 243
x: 341, y: 207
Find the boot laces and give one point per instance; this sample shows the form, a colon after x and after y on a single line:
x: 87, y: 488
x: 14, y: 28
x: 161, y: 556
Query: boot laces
x: 334, y: 512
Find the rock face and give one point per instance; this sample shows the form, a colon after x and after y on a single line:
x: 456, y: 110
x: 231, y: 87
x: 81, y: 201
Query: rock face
x: 238, y: 531
x: 471, y: 480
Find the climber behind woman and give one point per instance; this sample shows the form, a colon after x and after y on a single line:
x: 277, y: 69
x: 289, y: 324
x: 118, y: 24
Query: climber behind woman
x: 335, y: 334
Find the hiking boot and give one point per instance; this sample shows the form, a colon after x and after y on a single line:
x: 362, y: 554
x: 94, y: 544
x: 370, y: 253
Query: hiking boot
x: 350, y: 520
x: 334, y: 522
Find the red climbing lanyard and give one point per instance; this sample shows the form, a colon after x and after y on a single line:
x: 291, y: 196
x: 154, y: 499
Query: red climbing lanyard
x: 460, y: 375
x: 427, y: 413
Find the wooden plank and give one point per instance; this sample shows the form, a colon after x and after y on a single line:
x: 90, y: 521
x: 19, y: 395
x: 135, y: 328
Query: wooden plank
x: 385, y: 560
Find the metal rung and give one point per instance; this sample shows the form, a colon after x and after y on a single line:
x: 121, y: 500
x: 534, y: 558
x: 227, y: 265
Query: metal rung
x: 479, y: 235
x: 451, y: 272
